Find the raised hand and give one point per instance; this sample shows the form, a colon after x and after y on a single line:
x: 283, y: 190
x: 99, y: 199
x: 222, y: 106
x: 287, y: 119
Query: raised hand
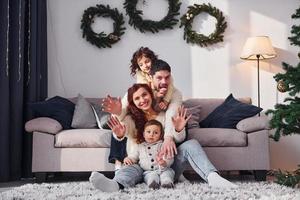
x: 180, y: 119
x: 116, y: 126
x: 113, y: 106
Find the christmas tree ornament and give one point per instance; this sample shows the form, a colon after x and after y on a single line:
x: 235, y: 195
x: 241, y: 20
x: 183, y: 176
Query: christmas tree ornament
x: 281, y: 86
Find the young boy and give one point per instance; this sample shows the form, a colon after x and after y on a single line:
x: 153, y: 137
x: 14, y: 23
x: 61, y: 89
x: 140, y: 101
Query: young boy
x: 157, y: 171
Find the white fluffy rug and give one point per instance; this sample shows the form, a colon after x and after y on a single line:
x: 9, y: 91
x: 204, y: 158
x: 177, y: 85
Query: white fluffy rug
x: 182, y: 191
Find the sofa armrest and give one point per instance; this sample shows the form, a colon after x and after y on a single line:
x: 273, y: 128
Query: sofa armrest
x: 252, y: 124
x: 43, y: 124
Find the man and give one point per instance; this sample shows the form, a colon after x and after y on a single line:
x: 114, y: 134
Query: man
x: 189, y: 152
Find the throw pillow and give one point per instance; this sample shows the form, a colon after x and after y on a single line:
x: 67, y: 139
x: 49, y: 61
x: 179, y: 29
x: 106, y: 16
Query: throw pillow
x: 101, y: 116
x: 43, y: 124
x: 252, y: 124
x: 229, y: 113
x: 58, y: 108
x: 193, y: 122
x: 83, y: 116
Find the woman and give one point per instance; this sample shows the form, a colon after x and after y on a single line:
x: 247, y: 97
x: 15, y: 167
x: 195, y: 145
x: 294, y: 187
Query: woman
x: 141, y: 109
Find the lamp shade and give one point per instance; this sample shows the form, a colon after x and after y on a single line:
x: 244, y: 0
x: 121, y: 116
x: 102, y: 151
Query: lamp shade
x: 259, y: 45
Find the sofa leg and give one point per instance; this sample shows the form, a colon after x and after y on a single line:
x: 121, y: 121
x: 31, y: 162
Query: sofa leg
x: 40, y: 177
x: 260, y: 175
x: 245, y: 172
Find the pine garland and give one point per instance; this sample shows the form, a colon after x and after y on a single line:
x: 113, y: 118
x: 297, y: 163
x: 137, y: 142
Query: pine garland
x: 286, y: 117
x: 194, y: 37
x: 136, y: 20
x: 291, y: 179
x: 101, y: 39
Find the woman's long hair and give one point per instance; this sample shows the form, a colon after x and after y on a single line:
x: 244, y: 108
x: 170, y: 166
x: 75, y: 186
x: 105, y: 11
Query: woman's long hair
x: 142, y: 51
x: 137, y: 114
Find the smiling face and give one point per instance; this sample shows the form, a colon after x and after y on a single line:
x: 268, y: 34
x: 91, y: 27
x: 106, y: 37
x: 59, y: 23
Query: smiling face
x: 152, y: 133
x: 142, y: 99
x: 161, y: 81
x: 144, y: 64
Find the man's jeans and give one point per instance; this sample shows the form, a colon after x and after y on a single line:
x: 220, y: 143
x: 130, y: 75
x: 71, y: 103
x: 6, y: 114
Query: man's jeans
x: 189, y: 152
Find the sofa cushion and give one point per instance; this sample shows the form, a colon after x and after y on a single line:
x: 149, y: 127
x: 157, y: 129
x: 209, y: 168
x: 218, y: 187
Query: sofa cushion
x: 58, y: 108
x: 83, y: 116
x: 83, y: 138
x: 218, y: 137
x: 229, y: 113
x: 193, y: 122
x: 252, y: 124
x: 43, y: 124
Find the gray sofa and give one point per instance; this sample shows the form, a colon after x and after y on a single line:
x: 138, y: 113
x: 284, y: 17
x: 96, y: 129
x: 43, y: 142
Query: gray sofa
x: 84, y: 150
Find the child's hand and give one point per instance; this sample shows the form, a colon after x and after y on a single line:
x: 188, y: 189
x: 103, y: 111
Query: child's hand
x: 163, y: 105
x: 128, y: 161
x: 113, y: 106
x: 116, y: 126
x: 180, y: 119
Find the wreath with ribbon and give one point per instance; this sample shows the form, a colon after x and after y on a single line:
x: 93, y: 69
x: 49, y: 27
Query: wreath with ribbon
x: 136, y: 20
x: 101, y: 39
x: 191, y: 36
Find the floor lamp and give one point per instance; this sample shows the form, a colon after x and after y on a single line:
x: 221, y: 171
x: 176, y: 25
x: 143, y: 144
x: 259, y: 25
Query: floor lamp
x: 258, y: 48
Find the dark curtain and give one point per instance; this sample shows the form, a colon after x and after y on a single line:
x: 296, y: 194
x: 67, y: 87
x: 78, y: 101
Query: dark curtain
x: 23, y: 79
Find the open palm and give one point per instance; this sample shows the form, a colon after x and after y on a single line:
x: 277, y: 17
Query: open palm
x: 111, y: 105
x: 180, y: 119
x: 116, y: 126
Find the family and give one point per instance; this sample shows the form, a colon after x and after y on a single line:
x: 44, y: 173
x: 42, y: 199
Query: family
x: 149, y: 139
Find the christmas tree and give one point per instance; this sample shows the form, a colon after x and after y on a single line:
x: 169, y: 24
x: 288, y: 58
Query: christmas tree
x: 286, y: 117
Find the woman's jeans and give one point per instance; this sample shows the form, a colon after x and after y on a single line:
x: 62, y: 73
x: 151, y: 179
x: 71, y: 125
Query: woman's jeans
x: 117, y: 150
x: 189, y: 152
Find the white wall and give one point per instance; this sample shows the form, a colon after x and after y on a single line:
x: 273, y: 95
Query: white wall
x: 75, y: 66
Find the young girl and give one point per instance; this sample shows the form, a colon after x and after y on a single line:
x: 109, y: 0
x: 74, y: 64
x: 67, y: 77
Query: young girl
x: 157, y: 171
x: 141, y: 63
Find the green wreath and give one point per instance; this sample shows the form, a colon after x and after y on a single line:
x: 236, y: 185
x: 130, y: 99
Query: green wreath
x: 136, y: 20
x: 101, y: 39
x: 197, y: 38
